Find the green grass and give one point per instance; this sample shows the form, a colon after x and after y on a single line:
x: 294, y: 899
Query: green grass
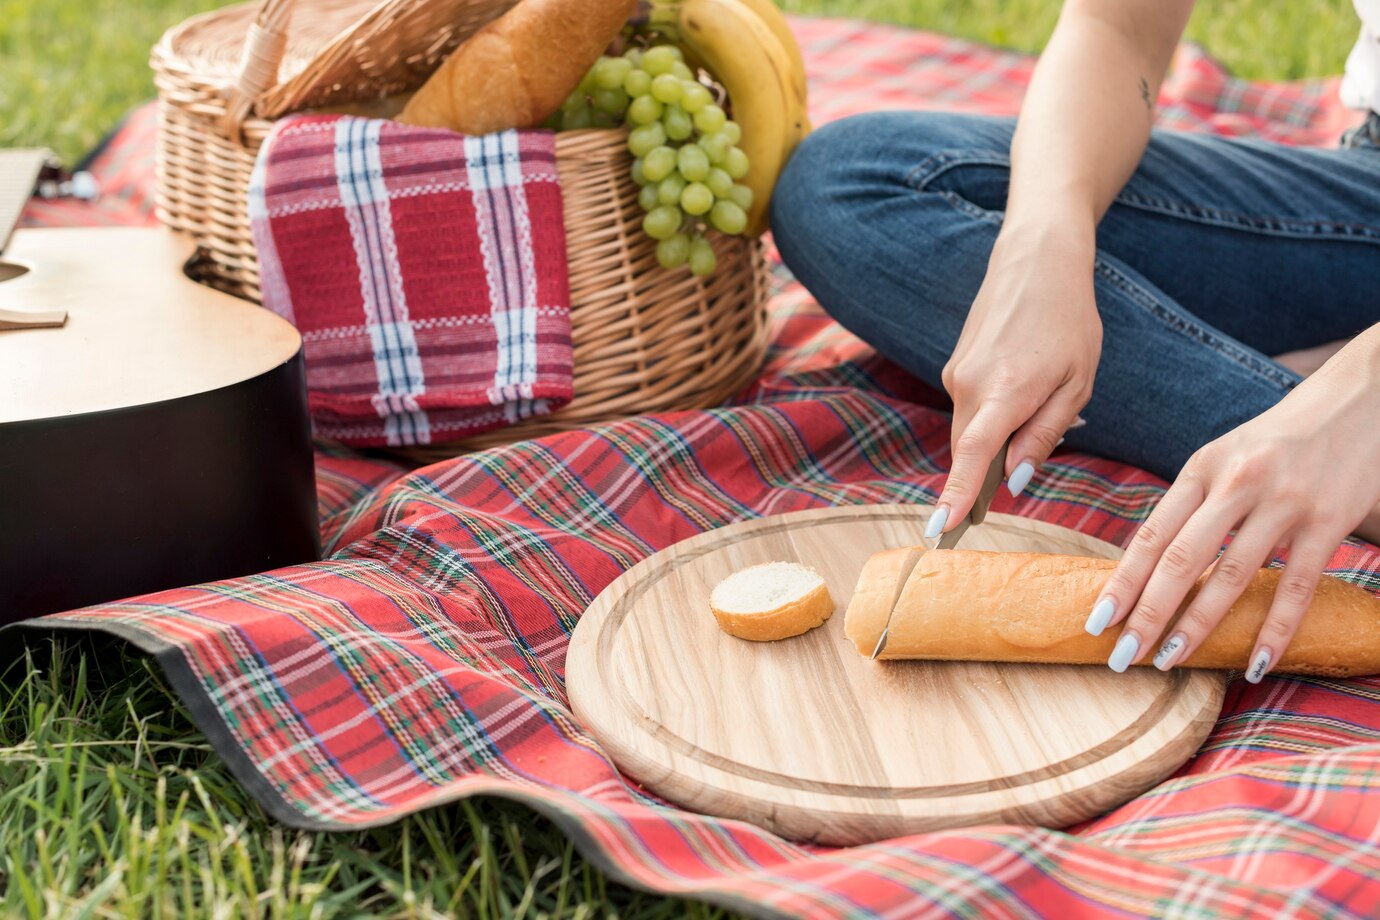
x: 70, y: 68
x: 112, y: 803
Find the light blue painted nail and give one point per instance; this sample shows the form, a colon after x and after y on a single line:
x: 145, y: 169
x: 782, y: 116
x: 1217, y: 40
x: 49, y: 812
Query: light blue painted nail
x: 1127, y: 648
x: 1020, y: 478
x: 1101, y: 615
x: 936, y: 523
x: 1259, y: 666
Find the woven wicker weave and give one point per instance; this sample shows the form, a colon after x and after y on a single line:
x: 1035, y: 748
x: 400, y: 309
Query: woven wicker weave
x: 646, y: 339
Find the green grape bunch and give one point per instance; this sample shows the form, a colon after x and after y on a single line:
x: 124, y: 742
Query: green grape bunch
x: 687, y: 162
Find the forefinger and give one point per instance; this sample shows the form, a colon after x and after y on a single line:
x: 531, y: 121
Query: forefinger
x: 975, y: 445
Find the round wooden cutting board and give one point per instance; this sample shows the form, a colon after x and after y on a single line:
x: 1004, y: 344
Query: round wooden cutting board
x: 815, y: 742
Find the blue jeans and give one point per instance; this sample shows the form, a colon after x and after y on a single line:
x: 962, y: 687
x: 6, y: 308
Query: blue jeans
x: 1217, y: 254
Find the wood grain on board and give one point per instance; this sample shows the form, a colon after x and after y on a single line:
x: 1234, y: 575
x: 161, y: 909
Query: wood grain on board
x: 809, y: 739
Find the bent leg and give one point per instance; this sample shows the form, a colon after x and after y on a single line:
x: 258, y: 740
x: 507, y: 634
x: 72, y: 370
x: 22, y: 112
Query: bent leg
x: 889, y: 221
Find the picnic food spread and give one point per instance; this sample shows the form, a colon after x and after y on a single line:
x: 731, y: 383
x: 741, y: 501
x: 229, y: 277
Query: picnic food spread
x: 696, y: 168
x: 1030, y: 607
x: 775, y: 600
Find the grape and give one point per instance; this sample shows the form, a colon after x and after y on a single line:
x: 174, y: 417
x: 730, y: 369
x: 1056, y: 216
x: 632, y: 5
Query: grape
x: 708, y: 119
x: 552, y: 121
x: 638, y: 174
x: 728, y: 217
x: 644, y: 110
x: 573, y: 121
x: 587, y: 84
x: 659, y: 60
x: 733, y: 130
x: 678, y: 69
x: 644, y: 138
x: 613, y: 101
x: 695, y: 97
x: 669, y: 189
x: 719, y: 182
x: 662, y: 221
x: 610, y: 73
x: 735, y: 162
x: 676, y: 53
x: 603, y: 120
x: 714, y: 145
x: 574, y: 102
x: 647, y: 197
x: 667, y: 88
x: 741, y: 195
x: 693, y: 163
x: 677, y: 122
x: 634, y: 54
x: 637, y: 83
x: 673, y: 251
x: 702, y: 258
x: 696, y: 199
x: 659, y: 163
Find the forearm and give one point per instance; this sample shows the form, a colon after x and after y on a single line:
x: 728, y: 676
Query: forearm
x: 1087, y: 116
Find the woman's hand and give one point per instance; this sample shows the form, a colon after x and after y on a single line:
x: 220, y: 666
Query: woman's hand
x: 1024, y: 363
x: 1300, y: 476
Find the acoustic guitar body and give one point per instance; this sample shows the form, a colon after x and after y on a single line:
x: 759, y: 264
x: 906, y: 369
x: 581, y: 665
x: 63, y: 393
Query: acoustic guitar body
x: 158, y: 437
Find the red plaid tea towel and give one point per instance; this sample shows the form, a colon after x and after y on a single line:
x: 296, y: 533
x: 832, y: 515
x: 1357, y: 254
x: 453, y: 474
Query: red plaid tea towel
x: 426, y: 271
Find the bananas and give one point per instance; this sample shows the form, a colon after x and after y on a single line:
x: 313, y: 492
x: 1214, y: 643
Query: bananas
x: 771, y: 17
x: 746, y: 50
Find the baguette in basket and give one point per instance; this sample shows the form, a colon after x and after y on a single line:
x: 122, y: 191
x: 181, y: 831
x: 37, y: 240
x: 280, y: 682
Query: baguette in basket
x: 517, y: 70
x: 981, y: 606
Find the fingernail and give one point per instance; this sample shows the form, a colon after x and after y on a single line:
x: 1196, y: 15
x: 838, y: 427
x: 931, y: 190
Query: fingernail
x: 1101, y: 615
x: 936, y: 523
x: 1020, y: 478
x: 1060, y: 441
x: 1169, y: 652
x: 1078, y: 422
x: 1259, y: 666
x: 1127, y: 648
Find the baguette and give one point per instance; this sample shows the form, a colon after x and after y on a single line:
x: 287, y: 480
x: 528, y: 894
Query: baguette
x: 1031, y: 607
x: 519, y: 68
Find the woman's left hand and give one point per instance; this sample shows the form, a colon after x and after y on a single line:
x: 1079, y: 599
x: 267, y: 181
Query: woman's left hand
x: 1300, y: 477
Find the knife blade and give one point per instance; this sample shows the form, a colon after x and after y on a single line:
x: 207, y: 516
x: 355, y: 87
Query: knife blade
x: 995, y: 473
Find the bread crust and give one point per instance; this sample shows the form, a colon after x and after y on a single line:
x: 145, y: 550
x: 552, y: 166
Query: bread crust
x: 1031, y: 607
x: 791, y: 619
x: 519, y: 68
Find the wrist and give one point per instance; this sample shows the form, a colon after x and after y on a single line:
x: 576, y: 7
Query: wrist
x: 1059, y: 235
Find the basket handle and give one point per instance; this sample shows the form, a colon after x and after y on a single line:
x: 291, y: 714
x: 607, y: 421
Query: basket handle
x: 258, y: 71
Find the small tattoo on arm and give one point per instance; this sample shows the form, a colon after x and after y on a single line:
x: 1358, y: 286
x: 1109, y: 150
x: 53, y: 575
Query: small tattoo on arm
x: 1145, y: 95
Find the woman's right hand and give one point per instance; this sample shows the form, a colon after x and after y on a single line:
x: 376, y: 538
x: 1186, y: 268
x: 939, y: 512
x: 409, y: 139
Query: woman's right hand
x: 1024, y: 363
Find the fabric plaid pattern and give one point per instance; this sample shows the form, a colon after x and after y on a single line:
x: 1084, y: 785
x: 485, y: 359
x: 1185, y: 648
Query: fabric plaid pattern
x: 422, y: 660
x: 426, y: 271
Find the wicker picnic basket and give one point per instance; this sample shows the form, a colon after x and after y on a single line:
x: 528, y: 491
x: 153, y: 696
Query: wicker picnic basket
x: 646, y: 339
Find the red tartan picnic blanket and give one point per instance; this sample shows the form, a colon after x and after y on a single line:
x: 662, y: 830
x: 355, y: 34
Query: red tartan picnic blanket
x: 422, y: 660
x: 425, y: 270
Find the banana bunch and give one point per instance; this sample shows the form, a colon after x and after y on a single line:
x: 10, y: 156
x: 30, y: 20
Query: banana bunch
x: 749, y: 49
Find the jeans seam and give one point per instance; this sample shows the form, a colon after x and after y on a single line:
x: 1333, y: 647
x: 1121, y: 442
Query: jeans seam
x: 932, y: 167
x: 1320, y: 229
x: 1179, y: 323
x: 935, y: 165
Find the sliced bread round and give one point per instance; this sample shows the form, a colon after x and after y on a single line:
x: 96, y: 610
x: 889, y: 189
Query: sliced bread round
x: 775, y: 600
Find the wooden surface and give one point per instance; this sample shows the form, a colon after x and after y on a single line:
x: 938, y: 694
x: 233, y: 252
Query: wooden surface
x: 19, y: 171
x: 815, y: 742
x: 138, y: 331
